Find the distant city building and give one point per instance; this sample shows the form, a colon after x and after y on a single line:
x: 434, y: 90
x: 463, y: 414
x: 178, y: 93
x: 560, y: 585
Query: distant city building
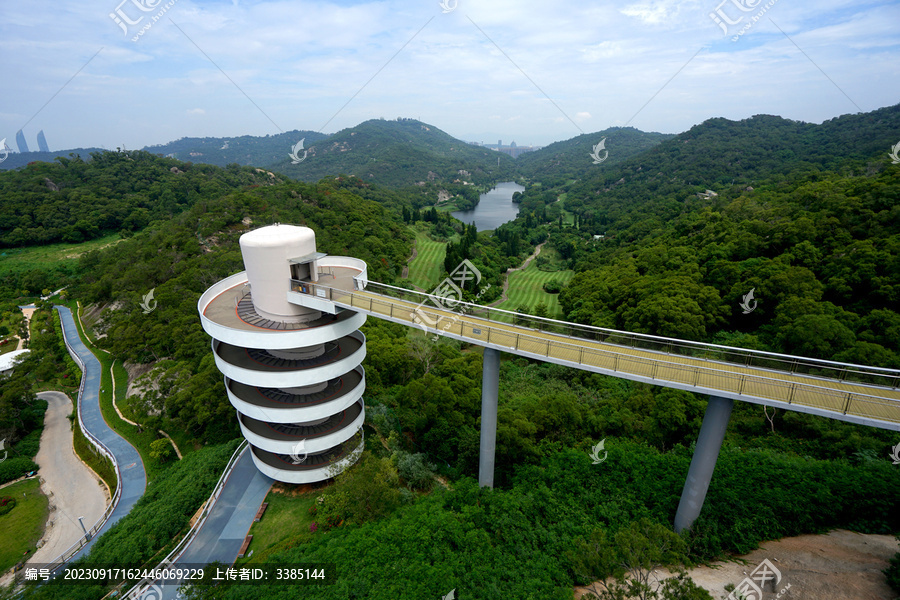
x: 513, y: 150
x: 20, y: 141
x: 42, y: 142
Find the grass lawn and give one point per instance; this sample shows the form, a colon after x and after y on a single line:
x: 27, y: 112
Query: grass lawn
x: 526, y: 287
x: 285, y: 523
x: 21, y: 528
x: 425, y: 270
x: 36, y: 257
x: 568, y: 218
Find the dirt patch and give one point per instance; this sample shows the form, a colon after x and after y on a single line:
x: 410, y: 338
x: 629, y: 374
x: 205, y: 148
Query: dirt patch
x: 841, y: 565
x: 92, y: 317
x: 136, y: 371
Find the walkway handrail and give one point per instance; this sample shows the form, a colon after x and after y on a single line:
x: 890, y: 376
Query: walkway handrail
x: 179, y: 549
x: 815, y: 396
x: 747, y: 358
x: 101, y: 447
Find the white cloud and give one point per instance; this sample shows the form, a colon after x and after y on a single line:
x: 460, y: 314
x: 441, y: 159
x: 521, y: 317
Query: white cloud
x: 301, y: 61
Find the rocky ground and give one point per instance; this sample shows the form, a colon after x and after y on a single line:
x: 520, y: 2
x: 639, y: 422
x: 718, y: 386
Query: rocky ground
x: 841, y: 565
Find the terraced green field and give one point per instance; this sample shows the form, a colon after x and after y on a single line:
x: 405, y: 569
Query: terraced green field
x: 526, y: 287
x: 425, y: 270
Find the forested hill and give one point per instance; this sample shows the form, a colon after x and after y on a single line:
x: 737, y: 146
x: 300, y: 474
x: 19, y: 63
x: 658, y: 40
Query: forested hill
x: 719, y: 153
x: 14, y: 160
x: 258, y: 151
x: 398, y: 153
x: 182, y: 257
x: 74, y: 200
x: 571, y: 159
x: 811, y: 224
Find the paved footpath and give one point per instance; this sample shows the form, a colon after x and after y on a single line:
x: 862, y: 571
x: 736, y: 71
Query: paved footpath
x: 131, y: 467
x: 73, y: 488
x: 221, y: 536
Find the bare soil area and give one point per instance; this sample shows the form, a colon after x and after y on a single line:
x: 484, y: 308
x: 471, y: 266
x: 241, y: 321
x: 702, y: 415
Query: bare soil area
x: 841, y: 565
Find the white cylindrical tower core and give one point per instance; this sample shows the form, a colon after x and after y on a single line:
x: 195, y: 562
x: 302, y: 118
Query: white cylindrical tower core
x: 267, y: 252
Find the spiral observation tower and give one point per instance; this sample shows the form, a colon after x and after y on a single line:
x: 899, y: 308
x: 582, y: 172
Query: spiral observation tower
x: 291, y: 358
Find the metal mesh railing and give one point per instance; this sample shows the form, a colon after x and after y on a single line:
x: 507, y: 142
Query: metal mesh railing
x: 102, y: 449
x: 690, y: 364
x: 885, y: 377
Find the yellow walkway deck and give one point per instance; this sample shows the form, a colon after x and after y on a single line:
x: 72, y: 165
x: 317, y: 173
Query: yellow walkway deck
x: 874, y: 404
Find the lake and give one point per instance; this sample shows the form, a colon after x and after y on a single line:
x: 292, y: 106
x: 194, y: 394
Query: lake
x: 494, y: 207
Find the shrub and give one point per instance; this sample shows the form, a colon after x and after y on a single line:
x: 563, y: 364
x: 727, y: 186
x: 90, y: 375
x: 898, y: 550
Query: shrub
x: 553, y: 286
x: 7, y: 503
x: 13, y: 468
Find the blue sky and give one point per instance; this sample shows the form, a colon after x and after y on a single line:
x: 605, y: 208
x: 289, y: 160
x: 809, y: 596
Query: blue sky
x: 530, y: 71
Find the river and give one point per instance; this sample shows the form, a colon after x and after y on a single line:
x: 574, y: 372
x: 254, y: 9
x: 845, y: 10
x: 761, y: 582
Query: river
x: 494, y: 207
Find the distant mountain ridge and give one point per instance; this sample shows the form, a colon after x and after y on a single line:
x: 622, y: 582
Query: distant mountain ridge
x: 575, y: 157
x: 245, y: 150
x: 399, y: 152
x: 19, y: 159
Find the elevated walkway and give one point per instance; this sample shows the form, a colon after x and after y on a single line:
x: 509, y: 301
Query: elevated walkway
x: 853, y: 393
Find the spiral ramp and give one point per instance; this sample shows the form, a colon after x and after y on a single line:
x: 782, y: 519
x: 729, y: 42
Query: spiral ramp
x: 291, y: 360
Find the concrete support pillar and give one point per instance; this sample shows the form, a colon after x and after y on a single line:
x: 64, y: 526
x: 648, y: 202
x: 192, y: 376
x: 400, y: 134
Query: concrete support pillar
x: 703, y: 463
x: 490, y: 390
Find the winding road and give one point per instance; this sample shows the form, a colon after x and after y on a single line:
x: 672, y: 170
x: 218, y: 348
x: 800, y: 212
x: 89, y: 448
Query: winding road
x: 73, y: 488
x: 220, y: 536
x: 131, y: 467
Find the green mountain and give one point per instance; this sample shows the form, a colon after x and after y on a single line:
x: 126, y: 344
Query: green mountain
x: 258, y: 151
x: 73, y: 200
x: 398, y: 153
x: 19, y: 159
x: 804, y: 215
x: 571, y: 159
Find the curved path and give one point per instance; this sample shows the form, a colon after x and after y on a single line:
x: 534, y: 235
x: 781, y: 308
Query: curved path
x: 131, y: 467
x: 415, y: 252
x: 503, y: 298
x: 73, y: 488
x: 222, y: 533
